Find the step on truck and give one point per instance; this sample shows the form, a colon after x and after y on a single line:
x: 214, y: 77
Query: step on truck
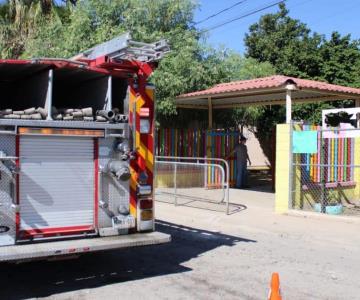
x: 76, y: 152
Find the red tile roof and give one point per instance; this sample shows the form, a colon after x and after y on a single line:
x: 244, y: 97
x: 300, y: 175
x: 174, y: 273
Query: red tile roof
x: 276, y: 81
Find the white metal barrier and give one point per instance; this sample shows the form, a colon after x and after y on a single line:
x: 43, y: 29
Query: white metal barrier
x: 190, y: 178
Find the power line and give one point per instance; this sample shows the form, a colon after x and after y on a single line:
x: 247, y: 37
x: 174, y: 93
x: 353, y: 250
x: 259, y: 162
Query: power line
x: 220, y: 12
x: 244, y: 16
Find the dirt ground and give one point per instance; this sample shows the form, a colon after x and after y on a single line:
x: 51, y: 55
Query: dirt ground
x: 212, y: 256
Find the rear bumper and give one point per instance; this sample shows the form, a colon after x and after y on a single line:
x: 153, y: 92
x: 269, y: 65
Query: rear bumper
x: 71, y: 247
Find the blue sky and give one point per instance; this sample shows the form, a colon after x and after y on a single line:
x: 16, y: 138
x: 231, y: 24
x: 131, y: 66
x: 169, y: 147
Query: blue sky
x: 322, y: 16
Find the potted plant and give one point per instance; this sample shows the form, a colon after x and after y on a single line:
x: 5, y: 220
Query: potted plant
x: 333, y: 204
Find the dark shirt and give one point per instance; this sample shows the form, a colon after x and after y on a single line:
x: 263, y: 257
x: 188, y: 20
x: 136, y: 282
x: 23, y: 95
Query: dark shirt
x: 241, y: 153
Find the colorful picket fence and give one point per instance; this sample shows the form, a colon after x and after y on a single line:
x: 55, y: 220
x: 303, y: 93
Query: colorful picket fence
x: 200, y: 143
x: 338, y: 158
x: 181, y: 142
x: 220, y: 144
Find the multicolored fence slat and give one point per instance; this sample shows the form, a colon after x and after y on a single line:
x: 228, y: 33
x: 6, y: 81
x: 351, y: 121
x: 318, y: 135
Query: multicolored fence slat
x: 200, y: 143
x: 338, y: 157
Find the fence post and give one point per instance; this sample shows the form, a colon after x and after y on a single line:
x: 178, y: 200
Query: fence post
x: 322, y: 173
x: 206, y: 173
x: 175, y: 185
x: 291, y: 167
x: 227, y: 188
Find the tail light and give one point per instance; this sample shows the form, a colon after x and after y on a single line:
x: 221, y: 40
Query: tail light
x: 146, y: 204
x: 147, y: 215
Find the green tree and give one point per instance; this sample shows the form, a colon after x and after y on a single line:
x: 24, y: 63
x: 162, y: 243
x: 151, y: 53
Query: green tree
x: 340, y: 59
x: 20, y: 20
x: 190, y: 66
x: 293, y: 50
x: 185, y: 72
x: 90, y: 22
x: 286, y: 43
x: 237, y: 67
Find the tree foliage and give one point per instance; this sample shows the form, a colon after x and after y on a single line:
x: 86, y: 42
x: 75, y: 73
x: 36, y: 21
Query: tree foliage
x: 239, y: 68
x: 65, y: 30
x: 275, y: 44
x: 284, y: 42
x: 177, y: 75
x: 340, y: 60
x: 291, y: 47
x: 20, y: 20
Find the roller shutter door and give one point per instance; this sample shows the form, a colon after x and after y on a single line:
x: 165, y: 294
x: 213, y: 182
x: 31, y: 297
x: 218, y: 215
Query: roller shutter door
x: 56, y: 183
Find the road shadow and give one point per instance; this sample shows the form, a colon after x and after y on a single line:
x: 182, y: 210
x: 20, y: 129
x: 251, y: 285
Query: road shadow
x: 260, y: 181
x: 201, y: 203
x: 43, y: 279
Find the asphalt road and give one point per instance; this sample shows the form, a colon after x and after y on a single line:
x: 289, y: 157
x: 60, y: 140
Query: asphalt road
x: 212, y: 256
x: 44, y: 279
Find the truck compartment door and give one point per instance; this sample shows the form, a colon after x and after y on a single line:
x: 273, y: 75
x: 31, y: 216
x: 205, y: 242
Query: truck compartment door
x: 57, y: 182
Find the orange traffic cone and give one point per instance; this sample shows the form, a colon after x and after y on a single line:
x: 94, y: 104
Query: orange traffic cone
x: 274, y: 293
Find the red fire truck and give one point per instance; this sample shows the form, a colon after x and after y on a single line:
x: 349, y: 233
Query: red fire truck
x: 76, y: 152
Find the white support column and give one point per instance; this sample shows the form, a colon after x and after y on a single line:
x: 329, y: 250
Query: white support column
x: 288, y: 106
x: 289, y: 89
x: 49, y: 95
x: 210, y: 124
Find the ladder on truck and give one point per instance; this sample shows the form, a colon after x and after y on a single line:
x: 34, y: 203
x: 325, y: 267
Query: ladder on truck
x: 124, y: 47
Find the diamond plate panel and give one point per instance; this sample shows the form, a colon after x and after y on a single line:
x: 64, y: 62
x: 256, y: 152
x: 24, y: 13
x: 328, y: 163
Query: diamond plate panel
x: 7, y: 192
x: 114, y: 193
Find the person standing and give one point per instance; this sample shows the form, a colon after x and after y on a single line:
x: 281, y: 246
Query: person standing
x: 242, y: 157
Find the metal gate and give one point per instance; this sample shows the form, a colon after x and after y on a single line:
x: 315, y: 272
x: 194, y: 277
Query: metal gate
x: 172, y: 142
x: 184, y: 179
x: 56, y: 184
x: 325, y: 172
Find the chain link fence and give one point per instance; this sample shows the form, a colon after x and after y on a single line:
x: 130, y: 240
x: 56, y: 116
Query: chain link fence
x: 325, y: 174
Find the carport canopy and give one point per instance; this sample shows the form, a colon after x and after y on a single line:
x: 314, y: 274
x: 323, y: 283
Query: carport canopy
x: 273, y: 90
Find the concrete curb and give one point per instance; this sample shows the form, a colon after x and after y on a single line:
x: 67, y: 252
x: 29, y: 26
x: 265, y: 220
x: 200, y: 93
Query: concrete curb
x: 319, y: 216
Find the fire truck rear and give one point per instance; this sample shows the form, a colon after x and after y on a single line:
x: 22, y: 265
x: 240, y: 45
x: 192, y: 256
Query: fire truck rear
x: 76, y: 152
